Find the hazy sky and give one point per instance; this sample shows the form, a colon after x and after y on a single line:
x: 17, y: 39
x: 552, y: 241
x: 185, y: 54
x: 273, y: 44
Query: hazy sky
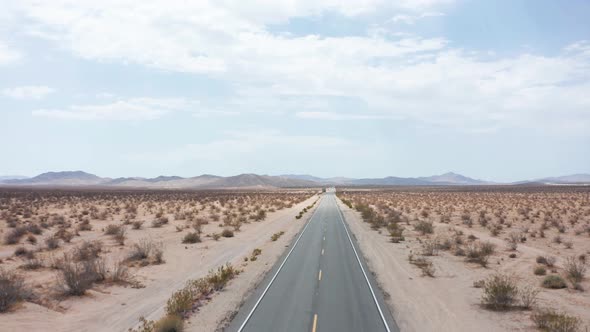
x: 498, y: 90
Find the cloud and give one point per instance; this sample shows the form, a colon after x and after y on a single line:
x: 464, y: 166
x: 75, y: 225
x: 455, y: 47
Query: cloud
x: 427, y: 80
x: 8, y: 55
x: 27, y: 92
x: 249, y: 145
x: 341, y: 116
x: 411, y: 19
x: 130, y: 109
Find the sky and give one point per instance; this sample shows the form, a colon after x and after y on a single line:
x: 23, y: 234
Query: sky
x: 497, y: 90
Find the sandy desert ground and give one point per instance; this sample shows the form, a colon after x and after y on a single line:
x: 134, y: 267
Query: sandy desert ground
x: 435, y: 251
x: 134, y: 249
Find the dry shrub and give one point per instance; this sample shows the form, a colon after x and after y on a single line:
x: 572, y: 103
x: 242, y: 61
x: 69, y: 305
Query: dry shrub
x: 12, y: 289
x: 540, y: 270
x: 14, y: 235
x: 276, y: 236
x: 424, y: 227
x: 227, y: 233
x: 169, y: 323
x: 424, y: 264
x: 575, y: 270
x: 528, y: 296
x: 75, y: 278
x: 145, y: 249
x: 553, y: 321
x: 112, y: 229
x: 136, y: 224
x: 52, y: 242
x: 479, y: 252
x: 554, y: 281
x: 87, y: 250
x: 499, y: 292
x: 192, y: 237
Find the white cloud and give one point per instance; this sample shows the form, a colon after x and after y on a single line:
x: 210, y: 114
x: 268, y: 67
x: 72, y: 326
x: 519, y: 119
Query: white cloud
x: 411, y: 19
x: 27, y: 92
x: 8, y: 55
x: 425, y: 79
x: 342, y: 116
x: 131, y: 109
x: 247, y: 145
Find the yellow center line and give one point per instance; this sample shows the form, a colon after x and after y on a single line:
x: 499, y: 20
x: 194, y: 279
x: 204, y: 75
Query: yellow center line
x: 320, y: 275
x: 315, y: 322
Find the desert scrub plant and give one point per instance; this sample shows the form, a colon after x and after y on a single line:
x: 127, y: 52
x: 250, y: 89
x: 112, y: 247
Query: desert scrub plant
x: 14, y: 235
x: 575, y: 269
x: 52, y: 242
x: 169, y: 323
x: 87, y: 250
x: 479, y: 252
x: 180, y: 302
x: 136, y: 224
x: 75, y: 278
x: 499, y: 292
x: 553, y: 321
x: 546, y: 260
x: 528, y: 296
x: 12, y: 289
x: 553, y: 281
x: 145, y: 249
x: 192, y: 237
x: 276, y: 236
x: 513, y: 240
x: 395, y: 232
x: 540, y: 270
x: 227, y: 233
x: 255, y: 253
x: 424, y: 264
x: 112, y: 229
x: 424, y: 227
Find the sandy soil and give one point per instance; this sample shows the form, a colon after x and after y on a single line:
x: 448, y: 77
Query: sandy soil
x: 449, y: 302
x: 117, y: 308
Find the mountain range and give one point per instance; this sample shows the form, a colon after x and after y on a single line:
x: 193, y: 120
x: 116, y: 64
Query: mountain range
x: 207, y: 181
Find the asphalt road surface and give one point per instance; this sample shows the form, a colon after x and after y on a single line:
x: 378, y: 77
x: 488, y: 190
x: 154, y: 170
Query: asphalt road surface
x: 320, y: 284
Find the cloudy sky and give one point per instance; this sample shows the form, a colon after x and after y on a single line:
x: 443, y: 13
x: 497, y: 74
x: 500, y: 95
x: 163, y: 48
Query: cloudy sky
x: 498, y: 90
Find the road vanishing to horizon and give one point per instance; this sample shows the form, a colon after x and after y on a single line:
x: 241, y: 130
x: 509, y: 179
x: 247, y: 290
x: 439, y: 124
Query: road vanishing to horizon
x: 320, y: 284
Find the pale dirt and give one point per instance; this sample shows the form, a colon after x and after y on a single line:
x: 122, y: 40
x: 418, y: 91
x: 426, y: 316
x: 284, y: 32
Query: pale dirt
x: 117, y: 308
x: 449, y: 302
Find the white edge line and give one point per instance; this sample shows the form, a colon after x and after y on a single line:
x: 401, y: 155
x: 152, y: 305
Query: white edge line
x: 279, y: 270
x: 361, y: 265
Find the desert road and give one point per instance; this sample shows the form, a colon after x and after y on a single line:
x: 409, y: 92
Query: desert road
x: 320, y: 284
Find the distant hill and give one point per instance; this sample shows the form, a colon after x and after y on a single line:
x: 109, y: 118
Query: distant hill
x: 12, y: 177
x: 79, y: 178
x: 443, y: 179
x: 207, y: 181
x: 453, y: 178
x: 61, y: 178
x: 567, y: 179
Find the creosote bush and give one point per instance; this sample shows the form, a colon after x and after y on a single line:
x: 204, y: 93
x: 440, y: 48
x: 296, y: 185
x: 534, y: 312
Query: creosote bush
x: 276, y: 236
x: 181, y: 302
x: 227, y: 233
x: 554, y: 321
x: 424, y: 227
x: 575, y: 270
x: 76, y: 277
x: 12, y: 289
x: 499, y: 292
x: 554, y: 281
x: 192, y: 237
